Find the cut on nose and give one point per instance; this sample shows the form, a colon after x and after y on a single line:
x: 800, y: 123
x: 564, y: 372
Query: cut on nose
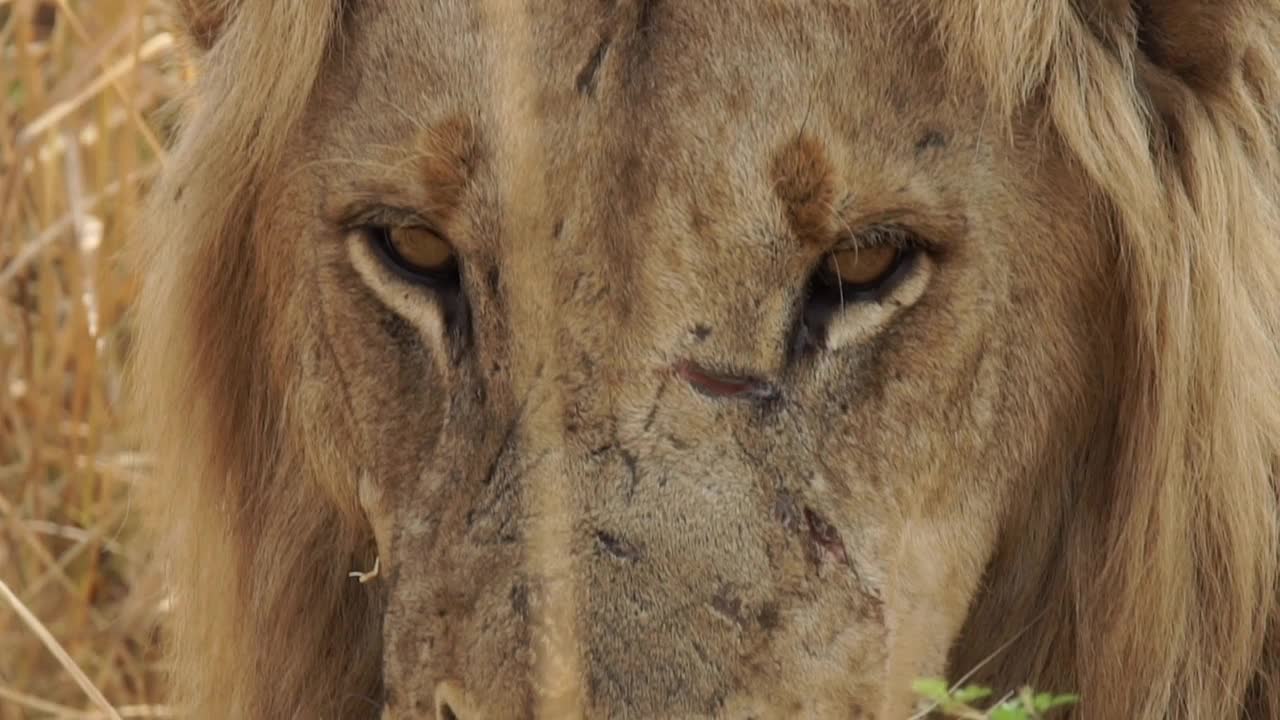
x: 724, y: 386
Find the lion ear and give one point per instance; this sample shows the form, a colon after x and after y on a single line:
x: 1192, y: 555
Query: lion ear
x: 203, y: 21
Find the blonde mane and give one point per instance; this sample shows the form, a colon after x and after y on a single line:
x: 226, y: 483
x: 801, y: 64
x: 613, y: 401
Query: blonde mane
x: 1168, y: 602
x: 218, y: 415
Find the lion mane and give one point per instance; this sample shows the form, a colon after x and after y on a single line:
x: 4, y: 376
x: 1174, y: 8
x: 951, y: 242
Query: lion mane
x: 1168, y: 603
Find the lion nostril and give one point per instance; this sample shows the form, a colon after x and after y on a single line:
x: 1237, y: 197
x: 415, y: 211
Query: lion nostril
x: 448, y: 697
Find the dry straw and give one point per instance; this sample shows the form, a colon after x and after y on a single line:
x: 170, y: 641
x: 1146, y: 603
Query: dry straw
x: 81, y: 86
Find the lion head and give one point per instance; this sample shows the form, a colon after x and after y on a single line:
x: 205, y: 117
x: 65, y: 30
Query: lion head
x: 704, y: 359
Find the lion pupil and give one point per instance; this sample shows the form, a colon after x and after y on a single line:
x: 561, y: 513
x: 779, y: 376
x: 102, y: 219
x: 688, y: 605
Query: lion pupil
x: 421, y: 249
x: 863, y: 267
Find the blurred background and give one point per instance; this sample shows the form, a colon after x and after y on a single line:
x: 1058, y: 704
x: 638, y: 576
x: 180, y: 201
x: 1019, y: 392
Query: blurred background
x: 85, y: 87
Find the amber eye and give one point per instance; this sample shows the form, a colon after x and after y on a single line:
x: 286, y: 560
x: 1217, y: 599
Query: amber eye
x: 860, y: 269
x: 419, y: 253
x: 865, y: 271
x: 869, y: 269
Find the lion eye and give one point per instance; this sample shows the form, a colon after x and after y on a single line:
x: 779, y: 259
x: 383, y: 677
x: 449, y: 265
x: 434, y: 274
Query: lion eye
x: 861, y: 269
x: 419, y: 253
x: 867, y: 271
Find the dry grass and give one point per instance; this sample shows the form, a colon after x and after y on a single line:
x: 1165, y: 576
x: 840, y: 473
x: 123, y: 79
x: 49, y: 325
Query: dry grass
x: 80, y: 80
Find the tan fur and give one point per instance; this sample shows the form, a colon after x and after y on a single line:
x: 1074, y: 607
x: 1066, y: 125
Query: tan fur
x: 1050, y: 458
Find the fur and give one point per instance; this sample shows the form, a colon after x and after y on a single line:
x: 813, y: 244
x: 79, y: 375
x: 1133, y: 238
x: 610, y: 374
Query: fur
x: 1114, y: 522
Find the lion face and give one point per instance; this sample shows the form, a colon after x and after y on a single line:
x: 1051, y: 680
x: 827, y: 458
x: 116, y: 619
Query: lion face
x: 684, y: 361
x: 692, y: 359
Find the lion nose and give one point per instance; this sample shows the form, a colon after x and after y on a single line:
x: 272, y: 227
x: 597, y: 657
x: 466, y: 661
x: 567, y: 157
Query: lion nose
x: 451, y: 703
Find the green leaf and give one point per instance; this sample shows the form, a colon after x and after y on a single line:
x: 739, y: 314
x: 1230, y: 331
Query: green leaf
x: 1047, y: 701
x: 970, y: 694
x: 1008, y: 711
x: 932, y: 689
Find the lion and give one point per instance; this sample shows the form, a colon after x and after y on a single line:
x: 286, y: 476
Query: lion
x: 707, y: 359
